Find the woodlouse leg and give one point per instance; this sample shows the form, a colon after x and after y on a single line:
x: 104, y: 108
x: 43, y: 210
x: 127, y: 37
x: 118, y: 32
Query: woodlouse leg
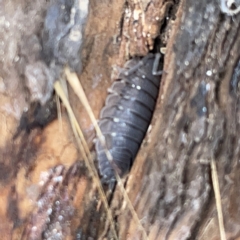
x: 156, y: 64
x: 140, y: 64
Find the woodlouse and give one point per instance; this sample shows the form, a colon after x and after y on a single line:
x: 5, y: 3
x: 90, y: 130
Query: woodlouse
x: 127, y: 114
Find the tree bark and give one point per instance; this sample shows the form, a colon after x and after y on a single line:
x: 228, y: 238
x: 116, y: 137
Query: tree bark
x: 46, y: 191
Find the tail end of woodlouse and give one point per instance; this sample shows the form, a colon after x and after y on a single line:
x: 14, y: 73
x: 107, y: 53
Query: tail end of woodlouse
x: 110, y: 183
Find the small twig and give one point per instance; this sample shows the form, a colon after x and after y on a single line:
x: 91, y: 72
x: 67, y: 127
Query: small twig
x: 218, y: 199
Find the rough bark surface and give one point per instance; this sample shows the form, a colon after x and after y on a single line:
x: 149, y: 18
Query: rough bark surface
x: 45, y: 189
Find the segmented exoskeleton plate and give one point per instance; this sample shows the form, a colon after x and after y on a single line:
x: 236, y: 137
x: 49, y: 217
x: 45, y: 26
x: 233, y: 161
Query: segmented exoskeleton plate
x: 127, y: 114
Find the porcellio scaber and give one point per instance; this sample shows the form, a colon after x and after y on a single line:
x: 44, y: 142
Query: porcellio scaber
x: 127, y: 114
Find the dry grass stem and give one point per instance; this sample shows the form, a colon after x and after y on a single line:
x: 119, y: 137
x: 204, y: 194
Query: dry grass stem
x: 218, y: 199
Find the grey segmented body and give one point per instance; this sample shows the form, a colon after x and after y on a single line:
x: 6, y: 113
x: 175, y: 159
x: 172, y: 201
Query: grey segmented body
x: 127, y: 114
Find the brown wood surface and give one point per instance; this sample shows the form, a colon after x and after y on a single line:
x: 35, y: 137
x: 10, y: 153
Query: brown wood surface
x: 45, y: 188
